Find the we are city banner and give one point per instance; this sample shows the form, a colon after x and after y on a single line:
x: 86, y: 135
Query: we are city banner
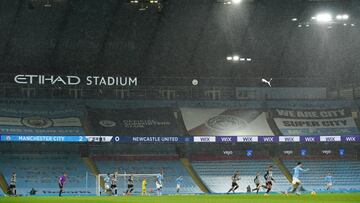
x: 228, y: 122
x: 315, y: 122
x: 134, y: 121
x: 40, y: 120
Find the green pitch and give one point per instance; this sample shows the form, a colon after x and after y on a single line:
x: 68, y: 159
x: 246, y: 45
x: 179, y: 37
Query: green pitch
x: 320, y: 198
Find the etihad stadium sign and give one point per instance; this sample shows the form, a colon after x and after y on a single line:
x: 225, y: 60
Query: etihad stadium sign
x: 73, y: 80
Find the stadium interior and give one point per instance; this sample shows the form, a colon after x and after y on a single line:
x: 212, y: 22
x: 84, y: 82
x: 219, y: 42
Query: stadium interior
x: 38, y: 165
x: 194, y: 88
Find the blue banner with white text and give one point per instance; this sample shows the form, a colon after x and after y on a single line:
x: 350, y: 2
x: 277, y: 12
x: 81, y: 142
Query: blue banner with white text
x: 41, y: 120
x: 135, y: 121
x: 182, y: 139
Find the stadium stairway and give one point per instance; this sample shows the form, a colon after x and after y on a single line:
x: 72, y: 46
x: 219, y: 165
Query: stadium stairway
x: 3, y: 183
x: 279, y: 163
x: 187, y: 165
x: 93, y: 169
x: 216, y: 174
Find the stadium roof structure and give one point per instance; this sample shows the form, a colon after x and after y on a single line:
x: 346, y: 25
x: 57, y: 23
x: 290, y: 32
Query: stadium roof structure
x: 180, y: 38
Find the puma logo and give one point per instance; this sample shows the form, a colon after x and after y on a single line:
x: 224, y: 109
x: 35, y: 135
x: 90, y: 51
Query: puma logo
x: 267, y: 82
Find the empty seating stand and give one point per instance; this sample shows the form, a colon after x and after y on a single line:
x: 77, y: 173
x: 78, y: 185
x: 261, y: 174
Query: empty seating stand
x: 41, y: 172
x: 217, y: 174
x: 345, y: 173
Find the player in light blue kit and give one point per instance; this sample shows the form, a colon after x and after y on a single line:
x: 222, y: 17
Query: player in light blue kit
x: 329, y: 181
x: 178, y: 181
x: 159, y: 182
x: 296, y: 183
x: 107, y: 180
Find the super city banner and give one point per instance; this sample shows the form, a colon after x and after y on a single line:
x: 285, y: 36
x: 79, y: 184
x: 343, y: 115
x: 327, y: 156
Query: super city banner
x: 315, y: 122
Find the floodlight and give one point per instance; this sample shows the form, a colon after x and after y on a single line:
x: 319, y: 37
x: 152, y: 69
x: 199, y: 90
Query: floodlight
x: 345, y: 16
x: 323, y: 17
x: 236, y: 1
